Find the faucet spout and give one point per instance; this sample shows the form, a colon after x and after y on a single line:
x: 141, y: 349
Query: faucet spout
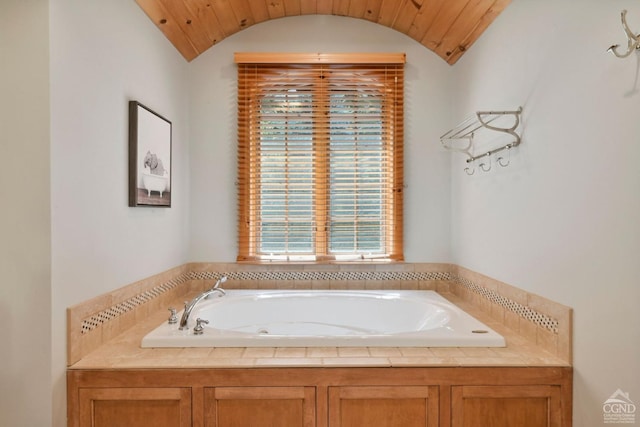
x: 188, y: 308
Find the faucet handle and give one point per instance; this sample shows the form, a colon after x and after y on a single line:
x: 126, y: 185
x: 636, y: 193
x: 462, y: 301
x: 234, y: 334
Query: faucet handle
x: 173, y: 317
x: 199, y: 329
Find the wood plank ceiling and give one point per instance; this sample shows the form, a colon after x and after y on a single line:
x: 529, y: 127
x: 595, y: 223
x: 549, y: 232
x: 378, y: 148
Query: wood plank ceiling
x: 447, y: 27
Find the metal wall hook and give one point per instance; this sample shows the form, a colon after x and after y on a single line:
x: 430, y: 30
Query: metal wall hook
x: 633, y: 40
x: 501, y: 160
x: 503, y: 164
x: 482, y: 165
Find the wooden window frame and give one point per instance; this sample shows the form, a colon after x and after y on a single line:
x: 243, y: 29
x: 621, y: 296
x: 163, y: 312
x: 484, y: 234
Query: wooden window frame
x: 249, y: 183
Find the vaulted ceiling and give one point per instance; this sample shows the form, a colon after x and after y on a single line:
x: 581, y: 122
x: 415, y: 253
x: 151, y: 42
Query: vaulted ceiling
x: 447, y: 27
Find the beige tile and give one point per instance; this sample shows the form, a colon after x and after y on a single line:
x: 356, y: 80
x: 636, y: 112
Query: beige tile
x: 423, y: 361
x: 428, y: 285
x: 227, y: 352
x: 357, y: 267
x: 289, y: 362
x: 411, y: 285
x: 512, y: 320
x: 322, y: 352
x: 195, y: 353
x: 548, y: 307
x: 424, y: 267
x: 512, y: 293
x: 99, y: 363
x: 565, y: 339
x: 290, y: 352
x: 296, y: 284
x: 355, y: 361
x: 274, y: 284
x: 487, y: 361
x: 544, y: 361
x: 258, y: 352
x: 116, y: 350
x: 353, y: 352
x: 385, y: 352
x: 163, y: 353
x: 528, y: 329
x: 447, y: 352
x: 443, y: 286
x: 400, y: 266
x: 497, y: 312
x: 248, y: 267
x: 480, y: 352
x: 304, y: 285
x: 422, y: 352
x: 321, y: 284
x: 503, y: 352
x: 323, y: 267
x: 547, y: 340
x: 89, y: 342
x: 233, y: 363
x: 375, y: 285
x: 348, y: 284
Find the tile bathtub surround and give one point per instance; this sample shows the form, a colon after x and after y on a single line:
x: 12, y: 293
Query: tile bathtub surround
x: 96, y: 321
x: 544, y: 322
x: 124, y: 352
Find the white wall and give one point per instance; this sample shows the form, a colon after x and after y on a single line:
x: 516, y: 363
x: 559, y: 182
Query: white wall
x: 213, y: 129
x: 104, y: 54
x: 25, y: 232
x: 562, y: 220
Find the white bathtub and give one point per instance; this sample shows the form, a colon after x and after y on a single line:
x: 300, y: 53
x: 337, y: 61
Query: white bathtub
x: 276, y: 318
x: 154, y: 183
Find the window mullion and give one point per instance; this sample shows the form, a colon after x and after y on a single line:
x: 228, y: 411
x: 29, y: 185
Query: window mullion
x: 321, y: 148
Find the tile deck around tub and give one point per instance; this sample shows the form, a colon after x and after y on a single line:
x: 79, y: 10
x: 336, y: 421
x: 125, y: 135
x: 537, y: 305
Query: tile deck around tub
x: 124, y: 351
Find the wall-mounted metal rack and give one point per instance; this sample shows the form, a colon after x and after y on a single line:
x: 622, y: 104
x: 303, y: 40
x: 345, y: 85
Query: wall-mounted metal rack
x: 462, y: 138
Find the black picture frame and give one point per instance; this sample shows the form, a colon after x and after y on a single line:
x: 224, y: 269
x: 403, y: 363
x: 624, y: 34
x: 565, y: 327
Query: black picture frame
x: 149, y: 157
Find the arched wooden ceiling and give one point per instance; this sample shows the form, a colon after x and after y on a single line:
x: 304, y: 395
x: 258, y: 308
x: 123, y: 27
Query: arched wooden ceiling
x: 447, y: 27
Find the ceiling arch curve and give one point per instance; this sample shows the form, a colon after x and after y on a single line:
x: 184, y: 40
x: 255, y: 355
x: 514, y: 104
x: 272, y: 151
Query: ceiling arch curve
x: 447, y: 27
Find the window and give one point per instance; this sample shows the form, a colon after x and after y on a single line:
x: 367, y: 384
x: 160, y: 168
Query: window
x: 320, y: 156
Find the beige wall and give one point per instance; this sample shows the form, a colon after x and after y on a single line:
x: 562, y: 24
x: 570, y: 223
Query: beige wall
x: 25, y: 231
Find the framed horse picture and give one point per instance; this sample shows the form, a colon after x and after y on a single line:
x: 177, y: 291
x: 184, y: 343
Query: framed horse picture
x: 149, y: 157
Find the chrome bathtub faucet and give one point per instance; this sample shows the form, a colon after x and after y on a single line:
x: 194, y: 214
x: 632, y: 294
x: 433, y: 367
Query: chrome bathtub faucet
x: 188, y: 308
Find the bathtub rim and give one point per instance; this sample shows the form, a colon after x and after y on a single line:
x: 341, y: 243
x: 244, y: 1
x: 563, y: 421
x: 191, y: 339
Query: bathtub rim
x: 213, y: 337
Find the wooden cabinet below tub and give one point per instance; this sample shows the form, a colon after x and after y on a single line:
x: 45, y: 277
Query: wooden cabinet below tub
x: 134, y: 406
x: 387, y: 406
x: 321, y: 397
x: 506, y: 406
x: 260, y: 406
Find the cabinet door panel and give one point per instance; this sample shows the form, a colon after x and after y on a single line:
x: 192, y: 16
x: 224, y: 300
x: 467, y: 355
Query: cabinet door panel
x: 260, y: 407
x: 157, y: 407
x: 387, y: 406
x: 506, y: 406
